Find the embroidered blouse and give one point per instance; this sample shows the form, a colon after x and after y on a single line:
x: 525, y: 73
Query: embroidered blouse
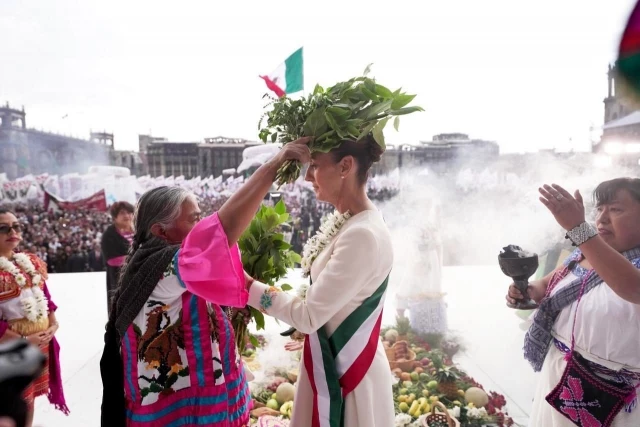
x: 180, y: 361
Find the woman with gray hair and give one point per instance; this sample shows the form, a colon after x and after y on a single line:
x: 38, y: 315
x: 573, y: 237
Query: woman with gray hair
x: 170, y: 356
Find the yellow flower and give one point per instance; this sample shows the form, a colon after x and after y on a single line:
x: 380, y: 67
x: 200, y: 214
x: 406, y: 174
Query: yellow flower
x: 153, y: 365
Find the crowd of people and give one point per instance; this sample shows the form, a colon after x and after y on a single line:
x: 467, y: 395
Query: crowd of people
x: 198, y: 264
x: 69, y: 242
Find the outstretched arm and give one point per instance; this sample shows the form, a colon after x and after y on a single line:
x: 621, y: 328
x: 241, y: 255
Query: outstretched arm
x: 351, y: 267
x: 237, y: 212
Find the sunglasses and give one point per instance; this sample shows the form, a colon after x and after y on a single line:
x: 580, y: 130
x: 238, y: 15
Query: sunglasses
x: 6, y: 229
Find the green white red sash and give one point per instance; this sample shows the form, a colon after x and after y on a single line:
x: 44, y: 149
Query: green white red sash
x: 336, y: 365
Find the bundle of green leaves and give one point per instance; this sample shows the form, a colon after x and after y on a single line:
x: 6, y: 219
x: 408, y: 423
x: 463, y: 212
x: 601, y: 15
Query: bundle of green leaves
x: 349, y: 110
x: 266, y: 257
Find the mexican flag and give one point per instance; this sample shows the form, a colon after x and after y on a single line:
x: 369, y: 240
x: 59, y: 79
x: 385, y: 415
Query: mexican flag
x: 288, y: 77
x: 629, y: 55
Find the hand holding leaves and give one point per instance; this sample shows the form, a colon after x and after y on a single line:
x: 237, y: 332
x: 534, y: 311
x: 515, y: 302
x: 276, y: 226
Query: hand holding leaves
x: 266, y: 257
x: 346, y: 111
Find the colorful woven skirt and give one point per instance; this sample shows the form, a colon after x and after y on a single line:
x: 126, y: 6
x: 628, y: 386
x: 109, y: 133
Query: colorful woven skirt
x: 41, y: 385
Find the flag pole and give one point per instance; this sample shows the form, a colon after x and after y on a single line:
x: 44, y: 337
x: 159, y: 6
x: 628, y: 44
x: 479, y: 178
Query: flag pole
x: 304, y: 83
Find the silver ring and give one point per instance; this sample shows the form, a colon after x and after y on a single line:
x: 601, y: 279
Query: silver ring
x: 559, y: 197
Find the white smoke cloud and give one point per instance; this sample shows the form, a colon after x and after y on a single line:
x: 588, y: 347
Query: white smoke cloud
x: 476, y: 209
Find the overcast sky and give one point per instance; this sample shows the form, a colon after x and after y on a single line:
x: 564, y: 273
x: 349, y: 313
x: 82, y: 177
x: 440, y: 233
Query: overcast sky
x: 529, y: 75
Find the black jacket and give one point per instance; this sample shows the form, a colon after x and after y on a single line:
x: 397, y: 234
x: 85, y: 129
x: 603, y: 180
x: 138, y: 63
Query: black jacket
x: 113, y: 245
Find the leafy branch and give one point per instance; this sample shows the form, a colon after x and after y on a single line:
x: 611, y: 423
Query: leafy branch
x: 267, y: 258
x: 349, y: 110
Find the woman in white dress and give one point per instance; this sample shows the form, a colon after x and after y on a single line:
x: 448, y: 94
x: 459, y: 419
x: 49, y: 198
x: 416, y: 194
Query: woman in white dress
x: 592, y: 381
x: 344, y: 374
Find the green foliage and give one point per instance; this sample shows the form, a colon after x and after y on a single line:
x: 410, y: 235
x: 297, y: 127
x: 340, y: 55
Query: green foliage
x: 446, y: 375
x: 348, y: 110
x: 267, y: 258
x: 265, y: 254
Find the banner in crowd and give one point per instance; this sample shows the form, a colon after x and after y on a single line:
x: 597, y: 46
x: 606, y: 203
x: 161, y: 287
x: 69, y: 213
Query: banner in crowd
x: 97, y: 202
x: 71, y: 190
x: 21, y: 190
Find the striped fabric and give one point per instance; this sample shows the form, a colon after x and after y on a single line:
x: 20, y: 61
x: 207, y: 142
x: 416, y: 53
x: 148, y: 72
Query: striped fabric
x: 336, y: 365
x: 40, y: 386
x: 203, y: 403
x: 226, y: 405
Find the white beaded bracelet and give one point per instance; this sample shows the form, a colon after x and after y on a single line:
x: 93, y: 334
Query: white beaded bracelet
x: 581, y: 233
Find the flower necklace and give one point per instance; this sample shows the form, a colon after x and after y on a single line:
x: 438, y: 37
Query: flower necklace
x: 34, y: 303
x: 302, y: 291
x: 316, y: 244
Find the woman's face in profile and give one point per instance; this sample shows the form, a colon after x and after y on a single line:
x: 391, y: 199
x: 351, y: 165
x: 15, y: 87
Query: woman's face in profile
x: 190, y: 215
x: 618, y: 221
x: 324, y: 175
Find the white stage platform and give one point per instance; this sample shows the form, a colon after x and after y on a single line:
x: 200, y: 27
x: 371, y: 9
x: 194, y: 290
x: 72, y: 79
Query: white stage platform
x: 491, y: 333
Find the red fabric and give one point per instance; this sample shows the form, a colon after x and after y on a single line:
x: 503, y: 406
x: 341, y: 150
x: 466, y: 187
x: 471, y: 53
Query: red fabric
x: 273, y: 86
x: 40, y: 386
x: 209, y: 268
x: 308, y: 364
x: 350, y: 380
x: 117, y: 261
x: 630, y: 41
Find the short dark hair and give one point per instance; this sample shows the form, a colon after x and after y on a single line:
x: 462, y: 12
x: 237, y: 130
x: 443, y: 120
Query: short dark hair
x: 606, y: 191
x: 4, y: 211
x: 366, y: 152
x: 118, y: 207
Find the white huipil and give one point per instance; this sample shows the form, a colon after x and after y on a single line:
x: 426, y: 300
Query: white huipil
x: 607, y: 331
x: 347, y: 272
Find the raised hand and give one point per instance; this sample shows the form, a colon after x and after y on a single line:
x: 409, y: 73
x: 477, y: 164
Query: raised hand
x: 568, y: 210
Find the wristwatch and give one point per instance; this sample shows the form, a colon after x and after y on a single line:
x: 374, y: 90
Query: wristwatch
x: 581, y: 233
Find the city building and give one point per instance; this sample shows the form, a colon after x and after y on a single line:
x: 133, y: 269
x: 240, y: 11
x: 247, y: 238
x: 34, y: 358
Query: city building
x: 213, y: 156
x: 220, y: 154
x: 443, y: 151
x: 130, y: 160
x: 25, y: 151
x: 620, y: 140
x: 143, y: 146
x: 166, y: 158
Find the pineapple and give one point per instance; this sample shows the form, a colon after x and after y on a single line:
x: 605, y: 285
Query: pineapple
x: 403, y: 327
x: 446, y: 378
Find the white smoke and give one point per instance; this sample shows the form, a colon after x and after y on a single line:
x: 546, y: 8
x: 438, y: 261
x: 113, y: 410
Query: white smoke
x: 477, y: 209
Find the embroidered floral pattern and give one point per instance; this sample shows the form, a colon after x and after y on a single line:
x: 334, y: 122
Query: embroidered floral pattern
x: 316, y: 244
x: 25, y: 263
x: 587, y: 399
x: 620, y: 378
x: 159, y: 348
x: 267, y: 298
x: 574, y: 405
x: 171, y: 269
